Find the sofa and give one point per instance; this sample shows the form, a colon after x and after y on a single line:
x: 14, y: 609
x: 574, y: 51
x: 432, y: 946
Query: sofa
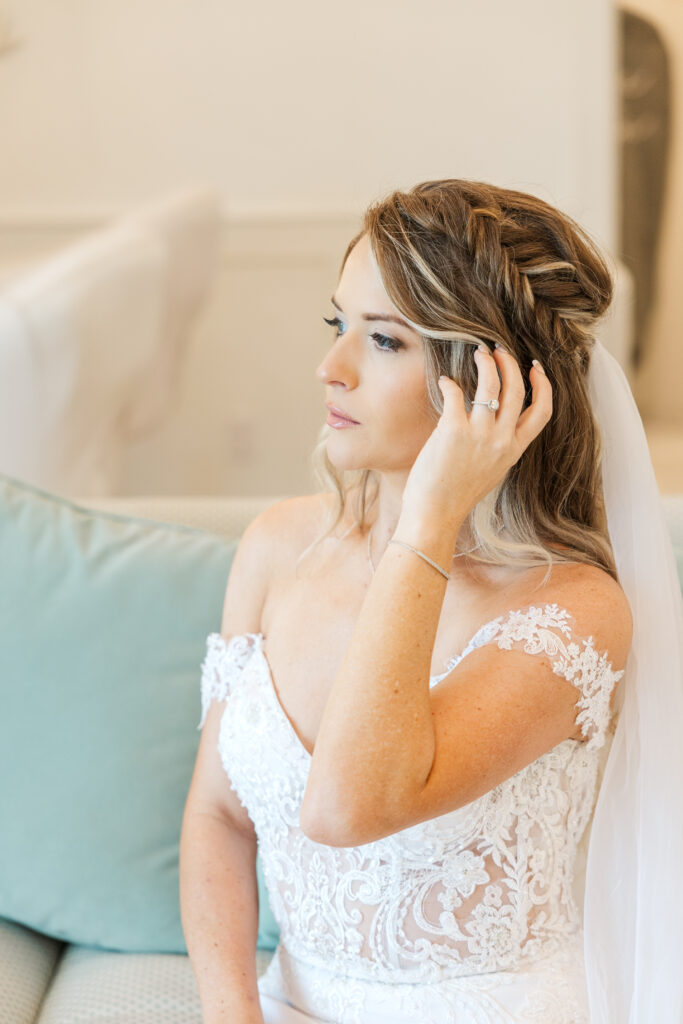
x: 94, y: 339
x: 56, y: 968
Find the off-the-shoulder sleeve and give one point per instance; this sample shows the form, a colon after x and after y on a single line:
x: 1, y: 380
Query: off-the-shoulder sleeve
x: 224, y: 661
x: 550, y: 630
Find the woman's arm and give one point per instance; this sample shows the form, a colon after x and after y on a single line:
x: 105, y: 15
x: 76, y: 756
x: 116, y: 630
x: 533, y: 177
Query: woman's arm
x: 218, y: 843
x: 218, y: 888
x: 219, y: 910
x: 376, y: 743
x: 391, y: 752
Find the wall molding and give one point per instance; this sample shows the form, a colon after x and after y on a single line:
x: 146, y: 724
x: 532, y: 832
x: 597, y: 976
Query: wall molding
x: 264, y: 238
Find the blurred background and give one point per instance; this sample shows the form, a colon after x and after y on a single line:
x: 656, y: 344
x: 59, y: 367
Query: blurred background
x: 179, y: 180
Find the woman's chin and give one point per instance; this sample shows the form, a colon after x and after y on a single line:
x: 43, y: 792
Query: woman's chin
x: 345, y: 461
x: 342, y: 453
x: 346, y: 465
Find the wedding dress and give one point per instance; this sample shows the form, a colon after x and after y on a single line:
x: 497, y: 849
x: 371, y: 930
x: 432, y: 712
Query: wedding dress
x: 471, y: 917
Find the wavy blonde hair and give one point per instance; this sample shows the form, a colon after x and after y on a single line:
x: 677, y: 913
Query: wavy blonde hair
x: 464, y: 261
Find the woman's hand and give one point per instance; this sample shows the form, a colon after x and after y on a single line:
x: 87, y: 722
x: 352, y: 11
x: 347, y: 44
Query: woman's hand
x: 465, y: 457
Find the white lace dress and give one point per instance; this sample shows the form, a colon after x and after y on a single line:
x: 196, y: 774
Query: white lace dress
x: 469, y: 917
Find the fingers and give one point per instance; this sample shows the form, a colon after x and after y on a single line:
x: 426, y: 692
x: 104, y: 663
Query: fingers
x: 523, y: 427
x: 535, y: 417
x: 453, y: 404
x: 500, y: 377
x: 513, y: 388
x: 489, y: 386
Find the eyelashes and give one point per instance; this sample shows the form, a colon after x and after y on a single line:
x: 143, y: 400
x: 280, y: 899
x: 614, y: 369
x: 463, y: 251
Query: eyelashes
x: 382, y: 341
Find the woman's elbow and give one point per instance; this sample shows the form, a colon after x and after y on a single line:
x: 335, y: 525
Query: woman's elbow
x: 327, y: 828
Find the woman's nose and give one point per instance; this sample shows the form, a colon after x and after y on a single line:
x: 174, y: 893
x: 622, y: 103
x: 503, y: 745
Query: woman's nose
x: 338, y: 367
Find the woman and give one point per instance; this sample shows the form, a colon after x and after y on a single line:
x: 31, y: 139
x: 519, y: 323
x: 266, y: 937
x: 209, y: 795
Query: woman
x: 415, y: 727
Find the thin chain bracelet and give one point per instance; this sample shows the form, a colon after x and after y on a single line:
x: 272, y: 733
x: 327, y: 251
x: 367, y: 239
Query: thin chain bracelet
x: 394, y: 540
x: 421, y: 554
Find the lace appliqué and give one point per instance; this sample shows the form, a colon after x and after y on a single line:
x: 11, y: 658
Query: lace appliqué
x: 485, y: 888
x: 224, y: 660
x: 535, y: 629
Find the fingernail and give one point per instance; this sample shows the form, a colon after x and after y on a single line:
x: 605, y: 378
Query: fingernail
x: 483, y: 348
x: 535, y: 362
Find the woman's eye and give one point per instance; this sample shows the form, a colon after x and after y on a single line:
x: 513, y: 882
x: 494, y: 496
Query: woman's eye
x: 334, y: 322
x: 384, y: 343
x: 390, y: 346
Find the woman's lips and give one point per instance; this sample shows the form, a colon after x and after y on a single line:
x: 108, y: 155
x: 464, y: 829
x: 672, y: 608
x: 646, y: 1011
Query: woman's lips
x: 334, y: 419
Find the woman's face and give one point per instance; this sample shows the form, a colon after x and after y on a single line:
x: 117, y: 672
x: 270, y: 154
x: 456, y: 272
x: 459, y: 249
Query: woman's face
x: 374, y: 372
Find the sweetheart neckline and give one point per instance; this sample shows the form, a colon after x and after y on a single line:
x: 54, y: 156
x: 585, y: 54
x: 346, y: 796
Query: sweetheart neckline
x: 260, y: 637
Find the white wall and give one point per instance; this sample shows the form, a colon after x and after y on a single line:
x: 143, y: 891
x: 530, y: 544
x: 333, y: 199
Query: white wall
x: 305, y: 107
x: 300, y: 114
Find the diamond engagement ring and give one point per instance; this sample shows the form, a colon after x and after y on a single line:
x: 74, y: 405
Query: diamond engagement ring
x: 492, y: 404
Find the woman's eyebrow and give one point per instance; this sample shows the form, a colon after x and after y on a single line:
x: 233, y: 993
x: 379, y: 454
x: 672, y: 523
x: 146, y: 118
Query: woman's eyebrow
x: 376, y: 316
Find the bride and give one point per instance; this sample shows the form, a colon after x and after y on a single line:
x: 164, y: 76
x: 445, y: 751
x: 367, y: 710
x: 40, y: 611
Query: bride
x: 420, y: 669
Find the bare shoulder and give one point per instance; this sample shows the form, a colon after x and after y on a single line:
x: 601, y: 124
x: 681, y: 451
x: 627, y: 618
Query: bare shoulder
x: 290, y: 525
x: 268, y: 546
x: 597, y: 604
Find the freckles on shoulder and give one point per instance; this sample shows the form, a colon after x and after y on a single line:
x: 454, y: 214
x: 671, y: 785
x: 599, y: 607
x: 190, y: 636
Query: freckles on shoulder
x: 599, y: 606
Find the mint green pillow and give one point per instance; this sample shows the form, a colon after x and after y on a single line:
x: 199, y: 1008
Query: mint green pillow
x: 103, y: 626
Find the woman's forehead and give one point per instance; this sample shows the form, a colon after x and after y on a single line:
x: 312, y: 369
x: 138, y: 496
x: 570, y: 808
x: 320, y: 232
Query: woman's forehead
x: 361, y: 281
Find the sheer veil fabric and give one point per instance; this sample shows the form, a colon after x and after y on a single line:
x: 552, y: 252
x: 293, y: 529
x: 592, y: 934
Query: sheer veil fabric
x: 633, y: 908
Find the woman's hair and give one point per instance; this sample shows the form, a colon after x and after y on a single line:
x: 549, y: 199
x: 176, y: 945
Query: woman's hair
x: 465, y: 261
